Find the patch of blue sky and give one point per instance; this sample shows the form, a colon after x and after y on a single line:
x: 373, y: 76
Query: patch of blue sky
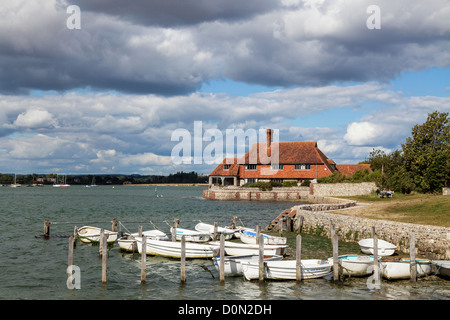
x: 429, y: 82
x: 21, y: 134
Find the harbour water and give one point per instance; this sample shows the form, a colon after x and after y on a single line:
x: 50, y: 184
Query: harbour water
x: 35, y: 268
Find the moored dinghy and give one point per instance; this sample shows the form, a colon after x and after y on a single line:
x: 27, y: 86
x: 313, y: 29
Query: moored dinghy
x: 443, y: 267
x: 395, y: 269
x: 172, y: 249
x: 128, y: 242
x: 88, y: 234
x: 233, y: 264
x: 384, y: 248
x: 287, y: 269
x: 242, y: 249
x: 249, y: 236
x: 354, y: 265
x: 209, y: 228
x: 192, y: 235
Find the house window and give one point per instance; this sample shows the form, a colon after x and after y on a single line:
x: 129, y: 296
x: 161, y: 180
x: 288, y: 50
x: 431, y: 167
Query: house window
x: 276, y: 167
x: 226, y: 167
x: 302, y: 166
x: 251, y: 180
x: 250, y: 167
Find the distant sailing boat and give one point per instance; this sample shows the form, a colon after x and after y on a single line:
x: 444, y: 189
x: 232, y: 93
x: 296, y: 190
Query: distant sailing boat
x: 56, y: 185
x: 15, y: 184
x: 93, y: 183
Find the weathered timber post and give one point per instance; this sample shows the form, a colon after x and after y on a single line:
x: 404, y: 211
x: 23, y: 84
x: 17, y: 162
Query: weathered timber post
x: 75, y: 236
x: 299, y: 222
x: 288, y: 223
x: 114, y: 225
x: 144, y: 259
x: 335, y: 246
x: 46, y: 229
x: 100, y: 242
x: 298, y: 258
x: 140, y: 230
x: 104, y: 256
x: 261, y: 258
x: 216, y: 226
x: 222, y: 258
x: 258, y: 233
x: 412, y: 253
x: 376, y: 269
x: 183, y: 259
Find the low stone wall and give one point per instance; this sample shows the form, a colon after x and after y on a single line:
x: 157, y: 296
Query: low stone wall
x: 254, y: 194
x: 432, y: 242
x: 342, y: 189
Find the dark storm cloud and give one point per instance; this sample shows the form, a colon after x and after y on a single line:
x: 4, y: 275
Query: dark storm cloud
x: 170, y: 13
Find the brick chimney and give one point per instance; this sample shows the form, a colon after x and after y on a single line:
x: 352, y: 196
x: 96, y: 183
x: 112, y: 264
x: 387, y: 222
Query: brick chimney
x: 269, y: 137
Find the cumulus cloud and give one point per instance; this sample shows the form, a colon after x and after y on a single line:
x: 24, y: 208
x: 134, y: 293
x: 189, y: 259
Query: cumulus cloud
x: 34, y: 118
x: 172, y: 47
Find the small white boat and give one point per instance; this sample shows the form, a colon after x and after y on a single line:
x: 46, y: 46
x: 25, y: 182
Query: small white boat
x: 287, y: 269
x: 128, y: 241
x: 209, y: 228
x: 233, y: 264
x: 400, y: 268
x: 89, y: 234
x: 354, y: 265
x: 384, y: 248
x: 192, y: 235
x: 443, y: 267
x: 249, y: 236
x: 243, y: 249
x: 172, y: 249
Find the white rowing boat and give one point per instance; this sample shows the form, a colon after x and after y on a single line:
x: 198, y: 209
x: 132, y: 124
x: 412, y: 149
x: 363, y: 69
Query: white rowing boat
x: 354, y: 265
x: 384, y: 248
x: 191, y: 235
x: 287, y: 269
x: 443, y: 267
x: 128, y: 242
x: 394, y: 269
x: 233, y: 264
x: 249, y: 236
x: 209, y: 229
x: 89, y: 234
x: 172, y: 249
x: 243, y: 249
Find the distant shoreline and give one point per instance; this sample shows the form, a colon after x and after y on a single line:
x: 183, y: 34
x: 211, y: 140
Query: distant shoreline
x: 167, y: 185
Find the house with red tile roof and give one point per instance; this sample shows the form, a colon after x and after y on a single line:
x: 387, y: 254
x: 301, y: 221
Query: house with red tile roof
x: 279, y: 161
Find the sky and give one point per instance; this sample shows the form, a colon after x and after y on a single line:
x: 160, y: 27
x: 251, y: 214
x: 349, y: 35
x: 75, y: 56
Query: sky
x: 99, y: 87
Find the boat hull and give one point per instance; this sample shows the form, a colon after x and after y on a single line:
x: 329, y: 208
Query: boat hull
x: 384, y: 248
x: 443, y: 267
x: 88, y: 234
x: 354, y: 265
x: 286, y: 270
x: 209, y: 229
x: 128, y: 242
x: 249, y: 237
x: 191, y: 235
x: 242, y: 249
x: 400, y: 269
x: 233, y: 264
x: 172, y: 249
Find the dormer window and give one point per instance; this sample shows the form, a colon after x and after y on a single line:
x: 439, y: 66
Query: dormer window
x: 276, y: 167
x: 250, y: 167
x: 226, y: 167
x: 302, y: 166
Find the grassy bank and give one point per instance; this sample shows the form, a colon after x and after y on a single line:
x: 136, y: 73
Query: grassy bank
x: 413, y: 208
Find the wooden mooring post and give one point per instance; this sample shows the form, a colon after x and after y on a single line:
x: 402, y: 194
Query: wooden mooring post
x: 100, y: 242
x: 144, y: 260
x: 114, y: 225
x: 412, y: 254
x: 335, y: 246
x: 298, y: 258
x: 261, y: 258
x: 222, y: 258
x: 216, y: 226
x: 183, y: 259
x: 46, y: 229
x: 104, y: 256
x: 376, y: 269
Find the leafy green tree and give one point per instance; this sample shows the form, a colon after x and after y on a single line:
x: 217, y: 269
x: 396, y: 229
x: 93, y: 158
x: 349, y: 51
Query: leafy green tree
x: 426, y: 153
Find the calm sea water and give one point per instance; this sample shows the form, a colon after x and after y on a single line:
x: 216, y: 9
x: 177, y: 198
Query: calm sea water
x: 35, y: 268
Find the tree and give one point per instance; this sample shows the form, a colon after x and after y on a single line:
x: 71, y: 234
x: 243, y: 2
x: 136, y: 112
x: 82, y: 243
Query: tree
x: 426, y: 153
